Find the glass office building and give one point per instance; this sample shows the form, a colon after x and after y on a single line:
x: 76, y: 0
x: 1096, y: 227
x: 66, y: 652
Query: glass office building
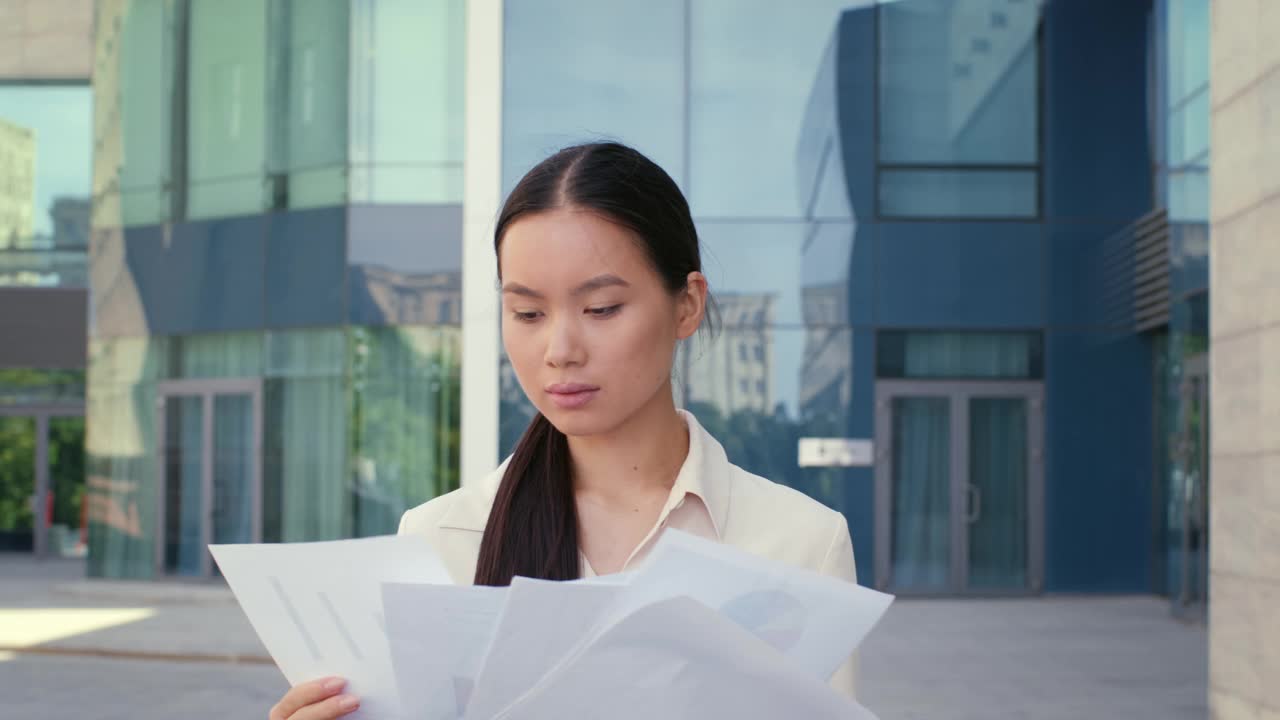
x: 968, y: 235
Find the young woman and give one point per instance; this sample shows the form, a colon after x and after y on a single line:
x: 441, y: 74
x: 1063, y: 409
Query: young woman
x: 601, y: 280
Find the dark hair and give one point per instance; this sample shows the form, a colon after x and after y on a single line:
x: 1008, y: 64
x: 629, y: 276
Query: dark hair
x: 533, y: 526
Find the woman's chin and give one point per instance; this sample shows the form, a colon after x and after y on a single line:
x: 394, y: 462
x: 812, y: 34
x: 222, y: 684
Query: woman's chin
x: 577, y: 423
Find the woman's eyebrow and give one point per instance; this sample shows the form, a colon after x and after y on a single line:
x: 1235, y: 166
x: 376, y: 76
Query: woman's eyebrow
x: 598, y: 282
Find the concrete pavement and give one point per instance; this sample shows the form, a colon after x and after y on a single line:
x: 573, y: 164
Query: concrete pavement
x: 145, y: 650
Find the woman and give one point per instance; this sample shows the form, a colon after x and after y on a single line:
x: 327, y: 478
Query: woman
x: 601, y: 279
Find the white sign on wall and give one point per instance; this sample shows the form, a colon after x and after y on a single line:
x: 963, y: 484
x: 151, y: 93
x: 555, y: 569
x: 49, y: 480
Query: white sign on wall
x: 836, y: 452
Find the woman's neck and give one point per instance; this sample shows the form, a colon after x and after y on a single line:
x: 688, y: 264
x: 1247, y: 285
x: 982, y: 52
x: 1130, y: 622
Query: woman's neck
x: 639, y: 458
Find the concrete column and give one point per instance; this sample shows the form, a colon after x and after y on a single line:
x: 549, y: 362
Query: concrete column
x: 1244, y: 605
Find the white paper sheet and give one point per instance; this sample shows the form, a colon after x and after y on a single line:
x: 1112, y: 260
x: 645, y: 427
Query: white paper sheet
x: 678, y: 659
x: 542, y: 622
x: 815, y: 620
x: 317, y: 607
x: 439, y: 635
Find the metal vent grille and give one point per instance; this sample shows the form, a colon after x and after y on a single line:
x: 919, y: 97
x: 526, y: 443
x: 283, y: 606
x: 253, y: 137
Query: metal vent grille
x: 1151, y: 291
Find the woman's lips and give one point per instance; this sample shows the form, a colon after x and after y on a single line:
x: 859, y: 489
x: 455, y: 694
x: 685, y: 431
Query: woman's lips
x: 570, y: 396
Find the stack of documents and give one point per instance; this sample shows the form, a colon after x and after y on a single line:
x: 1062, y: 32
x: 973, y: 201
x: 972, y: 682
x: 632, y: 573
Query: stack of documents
x: 699, y: 630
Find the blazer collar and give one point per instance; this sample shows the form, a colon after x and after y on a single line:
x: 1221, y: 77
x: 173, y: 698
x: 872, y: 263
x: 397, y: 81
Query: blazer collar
x: 706, y: 473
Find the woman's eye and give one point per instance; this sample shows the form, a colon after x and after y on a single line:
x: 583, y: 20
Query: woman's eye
x: 603, y: 311
x: 527, y: 316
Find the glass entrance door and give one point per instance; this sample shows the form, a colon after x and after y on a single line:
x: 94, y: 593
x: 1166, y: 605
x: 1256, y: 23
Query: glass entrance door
x: 210, y: 461
x: 959, y: 487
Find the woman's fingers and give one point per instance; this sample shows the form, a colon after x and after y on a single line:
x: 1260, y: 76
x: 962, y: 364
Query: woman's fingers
x: 334, y: 707
x: 306, y: 694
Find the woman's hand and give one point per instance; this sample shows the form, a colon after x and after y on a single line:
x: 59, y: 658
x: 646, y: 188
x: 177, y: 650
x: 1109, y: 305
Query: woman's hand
x: 315, y: 700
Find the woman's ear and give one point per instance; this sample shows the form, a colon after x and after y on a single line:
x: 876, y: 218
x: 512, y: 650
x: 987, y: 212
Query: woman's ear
x: 691, y: 305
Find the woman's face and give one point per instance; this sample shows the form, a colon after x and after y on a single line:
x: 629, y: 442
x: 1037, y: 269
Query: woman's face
x: 588, y: 325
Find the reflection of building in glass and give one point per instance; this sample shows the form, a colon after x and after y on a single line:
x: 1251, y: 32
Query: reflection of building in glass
x: 734, y: 371
x: 275, y: 239
x: 826, y: 376
x: 70, y: 222
x: 17, y: 184
x: 416, y: 299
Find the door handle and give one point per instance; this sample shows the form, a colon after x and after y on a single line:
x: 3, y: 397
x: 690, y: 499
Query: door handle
x: 975, y: 503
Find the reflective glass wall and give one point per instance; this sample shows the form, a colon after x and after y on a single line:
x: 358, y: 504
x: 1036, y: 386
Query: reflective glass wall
x: 861, y: 172
x: 757, y: 110
x: 276, y: 268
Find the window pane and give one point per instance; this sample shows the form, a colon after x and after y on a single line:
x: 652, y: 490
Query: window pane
x: 958, y: 82
x: 407, y: 101
x: 133, y: 98
x: 753, y: 66
x: 1188, y: 132
x: 304, y: 493
x: 227, y: 106
x: 928, y: 355
x: 1188, y: 47
x: 959, y: 193
x: 216, y: 355
x: 45, y: 159
x: 309, y: 144
x: 623, y: 79
x: 1189, y: 195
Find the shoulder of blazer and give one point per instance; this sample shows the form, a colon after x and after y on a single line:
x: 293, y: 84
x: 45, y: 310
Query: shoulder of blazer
x: 466, y: 508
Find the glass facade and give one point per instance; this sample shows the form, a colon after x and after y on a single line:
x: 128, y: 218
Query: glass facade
x: 276, y: 269
x: 910, y: 214
x: 738, y: 102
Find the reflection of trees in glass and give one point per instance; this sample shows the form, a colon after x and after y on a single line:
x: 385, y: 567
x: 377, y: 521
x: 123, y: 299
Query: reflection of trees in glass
x: 17, y: 473
x: 66, y: 469
x: 38, y: 385
x: 405, y: 433
x: 18, y: 455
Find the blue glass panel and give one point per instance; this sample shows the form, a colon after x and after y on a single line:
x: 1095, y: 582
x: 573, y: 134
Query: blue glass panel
x: 201, y: 276
x: 1089, y: 286
x: 304, y: 268
x: 1099, y: 467
x: 965, y: 275
x: 1097, y: 129
x: 959, y: 193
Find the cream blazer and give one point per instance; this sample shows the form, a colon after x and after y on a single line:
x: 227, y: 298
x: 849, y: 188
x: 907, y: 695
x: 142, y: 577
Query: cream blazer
x: 747, y: 511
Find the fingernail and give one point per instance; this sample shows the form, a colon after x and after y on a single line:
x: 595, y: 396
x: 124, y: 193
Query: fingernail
x: 348, y: 703
x: 334, y: 683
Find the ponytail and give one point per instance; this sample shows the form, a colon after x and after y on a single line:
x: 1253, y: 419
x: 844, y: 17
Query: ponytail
x: 533, y: 525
